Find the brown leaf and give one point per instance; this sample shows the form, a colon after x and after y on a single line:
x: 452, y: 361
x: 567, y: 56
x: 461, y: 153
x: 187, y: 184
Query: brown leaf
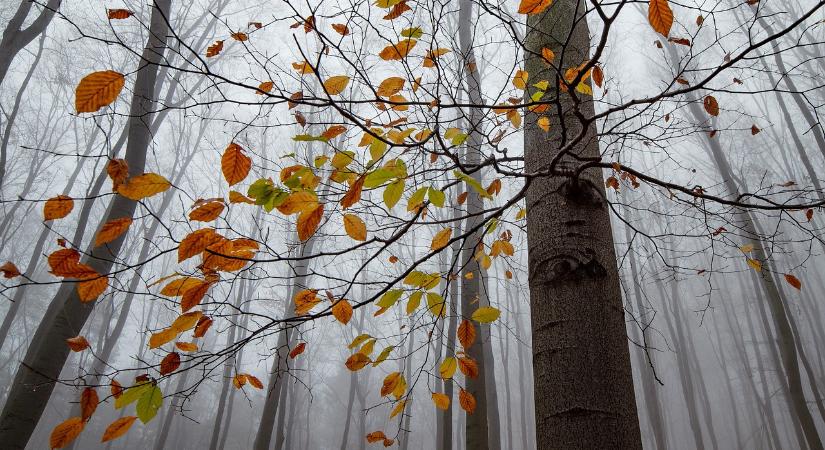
x: 755, y: 130
x: 88, y: 403
x: 239, y: 36
x: 598, y: 75
x: 9, y: 270
x: 98, y: 89
x: 119, y: 13
x: 207, y: 212
x: 376, y: 436
x: 170, y: 363
x: 353, y: 194
x: 77, y: 344
x: 390, y: 383
x: 117, y: 389
x: 467, y: 401
x: 214, y: 49
x: 793, y: 281
x: 235, y: 164
x: 711, y: 105
x: 64, y: 433
x: 57, y: 207
x: 111, y: 230
x: 397, y: 10
x: 118, y: 428
x: 308, y: 222
x: 193, y: 296
x: 340, y: 28
x: 202, y: 326
x: 196, y: 242
x: 468, y: 367
x: 357, y: 361
x: 660, y: 16
x: 118, y: 171
x: 89, y: 290
x: 264, y: 87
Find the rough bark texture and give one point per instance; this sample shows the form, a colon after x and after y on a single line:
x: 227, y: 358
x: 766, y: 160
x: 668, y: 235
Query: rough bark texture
x: 35, y: 379
x: 583, y: 383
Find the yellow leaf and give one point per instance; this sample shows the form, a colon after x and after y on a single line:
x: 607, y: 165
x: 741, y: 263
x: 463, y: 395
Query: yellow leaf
x: 357, y: 361
x: 756, y: 265
x: 447, y: 368
x: 390, y: 86
x: 441, y: 239
x: 342, y: 311
x: 398, y: 51
x: 143, y: 186
x: 64, y: 433
x: 520, y: 79
x: 398, y: 408
x: 441, y: 401
x: 112, y: 229
x: 235, y: 164
x: 486, y: 314
x: 355, y: 227
x: 186, y: 321
x: 98, y: 89
x: 660, y: 16
x: 118, y: 428
x: 390, y: 383
x: 57, y: 207
x: 335, y: 85
x: 544, y: 123
x: 162, y: 337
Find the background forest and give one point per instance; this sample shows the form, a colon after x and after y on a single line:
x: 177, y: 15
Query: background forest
x: 330, y: 224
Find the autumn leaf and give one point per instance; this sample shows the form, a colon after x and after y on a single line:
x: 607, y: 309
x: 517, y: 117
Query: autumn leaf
x: 355, y: 227
x: 237, y: 197
x: 755, y: 265
x: 357, y: 361
x: 305, y: 300
x: 111, y: 230
x: 376, y: 436
x: 207, y: 212
x: 202, y: 326
x: 597, y: 75
x: 98, y: 89
x: 196, y: 242
x: 335, y: 85
x: 466, y: 334
x: 264, y: 87
x: 391, y: 382
x: 66, y: 432
x: 118, y: 428
x: 193, y: 296
x: 235, y: 164
x: 308, y: 222
x: 441, y: 239
x: 89, y: 290
x: 531, y: 7
x: 180, y: 286
x: 254, y: 381
x: 711, y: 105
x: 399, y: 51
x: 297, y: 350
x: 390, y: 86
x: 520, y: 79
x: 88, y: 403
x: 186, y: 321
x: 214, y: 49
x: 239, y: 380
x: 793, y: 281
x: 398, y: 408
x: 486, y: 314
x: 468, y: 367
x: 118, y: 171
x: 342, y: 311
x: 143, y: 186
x: 162, y: 337
x: 340, y: 28
x: 547, y: 55
x: 442, y: 401
x: 116, y: 389
x: 187, y: 347
x: 397, y: 10
x: 240, y: 36
x: 169, y: 363
x: 467, y: 401
x: 57, y: 207
x: 660, y: 16
x: 447, y: 368
x: 77, y: 343
x: 353, y: 194
x: 9, y: 270
x: 119, y: 13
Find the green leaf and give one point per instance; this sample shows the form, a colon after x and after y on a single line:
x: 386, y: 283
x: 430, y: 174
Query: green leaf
x: 417, y: 199
x: 393, y: 193
x: 342, y: 159
x: 383, y: 355
x: 436, y: 304
x: 308, y: 138
x: 389, y: 298
x: 148, y: 404
x: 414, y: 32
x: 436, y: 197
x: 414, y: 301
x: 377, y: 178
x: 377, y: 149
x: 132, y: 394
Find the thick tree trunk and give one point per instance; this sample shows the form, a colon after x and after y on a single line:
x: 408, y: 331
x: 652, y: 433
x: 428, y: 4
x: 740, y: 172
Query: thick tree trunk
x: 583, y: 381
x: 16, y: 37
x: 35, y: 380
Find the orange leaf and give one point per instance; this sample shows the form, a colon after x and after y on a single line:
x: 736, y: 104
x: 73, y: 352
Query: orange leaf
x: 112, y: 229
x: 118, y: 171
x: 397, y: 51
x: 9, y: 270
x: 355, y: 227
x: 187, y: 347
x: 77, y: 344
x: 531, y: 7
x: 254, y: 381
x: 660, y: 16
x: 390, y: 383
x: 353, y: 194
x: 342, y: 311
x: 390, y: 86
x: 308, y: 222
x: 98, y: 89
x: 89, y: 290
x: 357, y: 361
x: 196, y: 242
x: 333, y: 132
x: 239, y: 36
x: 793, y: 281
x: 239, y: 380
x: 466, y: 334
x: 214, y: 49
x: 467, y: 401
x: 376, y: 436
x: 193, y: 296
x: 442, y: 401
x: 202, y: 326
x: 88, y: 403
x: 237, y: 197
x: 264, y: 87
x: 207, y: 212
x: 162, y: 337
x: 169, y: 363
x: 57, y: 207
x: 468, y: 367
x: 397, y: 10
x: 118, y: 428
x: 64, y: 433
x: 117, y: 389
x: 340, y: 28
x: 297, y: 350
x: 119, y: 13
x: 186, y: 321
x: 235, y: 164
x: 711, y: 105
x: 143, y: 186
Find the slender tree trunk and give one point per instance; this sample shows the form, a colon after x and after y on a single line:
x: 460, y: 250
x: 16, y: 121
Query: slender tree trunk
x: 583, y: 379
x: 35, y: 380
x: 16, y: 37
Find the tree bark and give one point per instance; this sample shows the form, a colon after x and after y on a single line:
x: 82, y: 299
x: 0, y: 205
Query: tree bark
x: 15, y: 37
x: 66, y: 315
x: 583, y: 381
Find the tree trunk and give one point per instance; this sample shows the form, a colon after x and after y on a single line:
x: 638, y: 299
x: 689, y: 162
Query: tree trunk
x: 66, y: 315
x: 583, y: 380
x: 15, y: 37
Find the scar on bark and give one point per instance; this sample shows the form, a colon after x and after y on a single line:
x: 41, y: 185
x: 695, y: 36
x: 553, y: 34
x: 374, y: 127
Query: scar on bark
x: 569, y: 267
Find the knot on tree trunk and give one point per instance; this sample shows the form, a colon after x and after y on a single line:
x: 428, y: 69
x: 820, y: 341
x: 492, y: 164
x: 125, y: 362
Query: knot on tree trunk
x: 583, y: 192
x: 567, y: 266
